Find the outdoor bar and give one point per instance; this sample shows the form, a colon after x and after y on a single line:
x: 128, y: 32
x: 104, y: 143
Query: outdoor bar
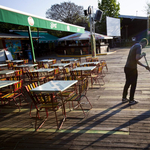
x: 80, y: 44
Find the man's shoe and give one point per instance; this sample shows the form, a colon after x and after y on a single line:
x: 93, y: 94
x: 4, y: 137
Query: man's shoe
x: 124, y: 100
x: 132, y: 102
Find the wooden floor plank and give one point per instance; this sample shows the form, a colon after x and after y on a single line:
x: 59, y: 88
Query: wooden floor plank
x: 108, y: 125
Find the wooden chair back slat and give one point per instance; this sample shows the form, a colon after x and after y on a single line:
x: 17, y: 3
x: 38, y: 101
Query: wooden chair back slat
x: 18, y: 86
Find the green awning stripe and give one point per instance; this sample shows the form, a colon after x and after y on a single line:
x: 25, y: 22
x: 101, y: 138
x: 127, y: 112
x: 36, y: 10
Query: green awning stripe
x: 43, y: 36
x: 9, y: 16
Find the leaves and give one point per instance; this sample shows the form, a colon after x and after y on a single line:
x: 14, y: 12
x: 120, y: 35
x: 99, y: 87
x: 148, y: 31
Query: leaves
x: 110, y: 8
x: 65, y: 12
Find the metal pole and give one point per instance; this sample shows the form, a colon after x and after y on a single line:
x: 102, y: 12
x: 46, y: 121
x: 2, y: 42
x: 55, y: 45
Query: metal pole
x: 31, y: 42
x: 147, y: 27
x: 93, y: 49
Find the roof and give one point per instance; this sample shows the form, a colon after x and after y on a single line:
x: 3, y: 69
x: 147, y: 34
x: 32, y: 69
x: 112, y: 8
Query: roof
x: 132, y: 17
x: 84, y: 36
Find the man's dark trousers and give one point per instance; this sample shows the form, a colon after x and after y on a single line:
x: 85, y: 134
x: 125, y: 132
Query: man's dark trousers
x: 131, y: 79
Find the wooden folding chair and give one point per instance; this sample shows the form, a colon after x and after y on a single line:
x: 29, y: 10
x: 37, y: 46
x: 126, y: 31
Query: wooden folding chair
x: 79, y: 96
x: 50, y: 76
x: 96, y: 75
x: 36, y: 76
x: 40, y: 64
x: 77, y: 64
x: 73, y: 65
x: 100, y: 73
x: 46, y: 65
x: 87, y: 65
x: 54, y: 61
x: 66, y: 71
x: 70, y: 90
x: 18, y: 73
x: 10, y: 88
x: 34, y: 101
x: 47, y: 103
x: 16, y: 92
x: 88, y: 59
x: 65, y: 61
x: 25, y: 61
x: 95, y: 59
x: 3, y: 78
x: 57, y: 73
x: 76, y: 75
x: 104, y: 64
x: 10, y: 65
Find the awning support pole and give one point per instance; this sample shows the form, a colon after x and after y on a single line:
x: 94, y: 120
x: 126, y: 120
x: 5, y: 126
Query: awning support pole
x: 31, y: 42
x: 92, y: 29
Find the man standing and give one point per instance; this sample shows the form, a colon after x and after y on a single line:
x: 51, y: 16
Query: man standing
x: 130, y: 70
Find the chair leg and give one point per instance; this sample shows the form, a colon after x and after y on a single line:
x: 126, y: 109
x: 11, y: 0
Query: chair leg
x: 106, y: 67
x: 30, y: 109
x: 97, y: 81
x: 38, y: 111
x: 16, y: 104
x: 82, y: 108
x: 25, y: 98
x: 56, y: 120
x: 88, y: 101
x: 20, y: 100
x: 46, y: 112
x: 101, y: 79
x: 36, y: 129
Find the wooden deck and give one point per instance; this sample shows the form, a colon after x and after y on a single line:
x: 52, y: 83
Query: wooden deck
x: 108, y: 125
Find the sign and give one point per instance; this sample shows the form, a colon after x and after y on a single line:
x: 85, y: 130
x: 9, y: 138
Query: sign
x: 113, y: 26
x: 30, y: 21
x: 12, y: 16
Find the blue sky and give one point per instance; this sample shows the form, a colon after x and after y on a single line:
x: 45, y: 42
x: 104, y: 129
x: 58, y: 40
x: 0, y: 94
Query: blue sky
x: 39, y: 7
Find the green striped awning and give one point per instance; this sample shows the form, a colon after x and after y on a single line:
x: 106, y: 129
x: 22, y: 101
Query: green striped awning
x: 12, y: 16
x: 43, y: 36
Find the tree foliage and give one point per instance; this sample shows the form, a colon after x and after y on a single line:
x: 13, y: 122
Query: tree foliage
x: 65, y: 12
x: 147, y: 9
x: 110, y: 8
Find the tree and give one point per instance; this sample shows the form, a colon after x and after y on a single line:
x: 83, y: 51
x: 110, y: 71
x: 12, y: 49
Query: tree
x: 66, y: 12
x: 147, y: 9
x: 110, y: 8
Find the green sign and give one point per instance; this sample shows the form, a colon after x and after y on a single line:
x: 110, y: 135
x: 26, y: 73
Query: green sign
x: 8, y: 15
x: 15, y: 17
